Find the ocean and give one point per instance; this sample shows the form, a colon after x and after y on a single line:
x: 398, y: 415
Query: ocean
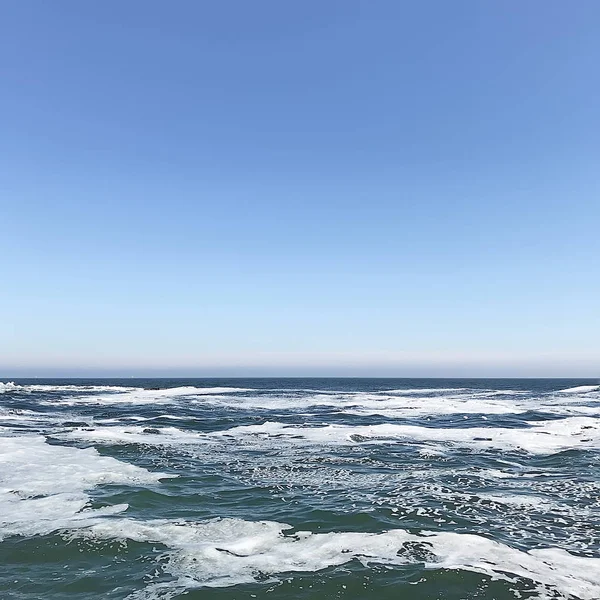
x: 236, y: 489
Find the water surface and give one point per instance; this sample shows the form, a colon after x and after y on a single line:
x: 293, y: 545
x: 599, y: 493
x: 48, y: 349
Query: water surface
x: 300, y: 488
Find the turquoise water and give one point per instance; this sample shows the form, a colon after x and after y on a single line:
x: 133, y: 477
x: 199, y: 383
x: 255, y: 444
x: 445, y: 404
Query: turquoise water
x: 300, y: 488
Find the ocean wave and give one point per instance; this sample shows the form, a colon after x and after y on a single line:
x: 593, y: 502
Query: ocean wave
x: 540, y: 437
x: 142, y: 395
x: 440, y: 478
x: 537, y: 437
x: 371, y: 403
x: 416, y: 391
x: 123, y: 435
x: 43, y: 487
x: 11, y: 386
x: 227, y: 552
x: 395, y: 406
x: 580, y: 389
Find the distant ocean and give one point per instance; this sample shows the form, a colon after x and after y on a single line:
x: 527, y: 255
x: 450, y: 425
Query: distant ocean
x: 205, y: 489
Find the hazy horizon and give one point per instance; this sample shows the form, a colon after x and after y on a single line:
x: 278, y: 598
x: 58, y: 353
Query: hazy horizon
x: 464, y: 371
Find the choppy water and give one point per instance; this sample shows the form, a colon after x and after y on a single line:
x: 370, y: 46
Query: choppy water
x: 300, y: 488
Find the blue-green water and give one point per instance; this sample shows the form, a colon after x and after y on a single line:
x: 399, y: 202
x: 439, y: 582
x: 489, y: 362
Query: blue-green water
x: 300, y: 488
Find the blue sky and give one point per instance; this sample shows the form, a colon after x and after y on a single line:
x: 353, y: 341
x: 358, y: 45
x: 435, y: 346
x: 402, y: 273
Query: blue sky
x: 300, y: 188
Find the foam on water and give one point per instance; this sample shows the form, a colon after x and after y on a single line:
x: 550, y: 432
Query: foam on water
x: 315, y: 454
x: 372, y: 403
x: 9, y: 386
x: 143, y: 396
x: 48, y: 388
x: 403, y: 391
x: 25, y: 416
x: 43, y: 487
x: 541, y: 437
x: 398, y: 404
x: 580, y: 389
x: 395, y: 403
x: 226, y: 552
x: 152, y: 436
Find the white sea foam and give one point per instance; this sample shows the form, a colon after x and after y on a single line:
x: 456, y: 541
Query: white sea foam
x: 118, y: 435
x: 43, y: 487
x: 193, y: 391
x: 541, y: 437
x: 28, y: 417
x: 580, y: 389
x: 226, y: 552
x: 11, y: 386
x: 402, y: 406
x: 393, y: 404
x: 143, y: 396
x: 415, y: 391
x: 76, y: 388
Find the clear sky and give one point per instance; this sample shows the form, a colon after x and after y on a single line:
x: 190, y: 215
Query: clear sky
x: 371, y: 187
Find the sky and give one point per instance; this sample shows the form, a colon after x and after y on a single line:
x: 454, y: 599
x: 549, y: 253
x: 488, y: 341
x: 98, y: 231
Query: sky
x: 360, y: 188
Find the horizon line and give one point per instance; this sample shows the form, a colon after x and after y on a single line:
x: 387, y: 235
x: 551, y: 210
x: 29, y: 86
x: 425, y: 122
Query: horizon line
x: 12, y: 377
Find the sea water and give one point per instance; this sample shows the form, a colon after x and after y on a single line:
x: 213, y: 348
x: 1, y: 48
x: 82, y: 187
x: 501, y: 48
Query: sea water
x: 300, y: 488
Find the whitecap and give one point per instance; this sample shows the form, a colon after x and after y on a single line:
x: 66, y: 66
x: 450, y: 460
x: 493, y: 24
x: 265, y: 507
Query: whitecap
x: 143, y: 396
x: 9, y: 386
x: 226, y: 552
x: 43, y: 487
x: 394, y: 405
x: 540, y: 437
x: 580, y: 389
x: 119, y: 435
